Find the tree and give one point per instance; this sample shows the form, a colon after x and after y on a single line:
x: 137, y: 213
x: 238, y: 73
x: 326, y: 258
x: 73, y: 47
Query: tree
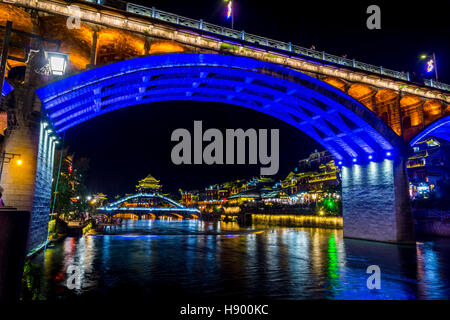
x: 70, y: 198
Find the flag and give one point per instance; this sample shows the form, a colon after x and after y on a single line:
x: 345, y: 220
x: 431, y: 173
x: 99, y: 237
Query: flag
x: 230, y: 9
x: 430, y: 65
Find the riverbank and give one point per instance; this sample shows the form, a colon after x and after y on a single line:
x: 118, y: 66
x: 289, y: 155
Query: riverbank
x: 432, y: 222
x: 288, y: 220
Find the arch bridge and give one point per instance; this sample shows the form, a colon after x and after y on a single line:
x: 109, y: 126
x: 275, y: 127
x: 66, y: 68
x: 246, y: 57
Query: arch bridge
x: 148, y: 204
x: 367, y: 116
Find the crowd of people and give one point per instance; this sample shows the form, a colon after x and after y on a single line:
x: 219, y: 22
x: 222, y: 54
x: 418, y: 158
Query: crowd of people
x: 107, y: 220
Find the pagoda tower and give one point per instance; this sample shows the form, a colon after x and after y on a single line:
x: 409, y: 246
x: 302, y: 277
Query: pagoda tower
x: 149, y: 185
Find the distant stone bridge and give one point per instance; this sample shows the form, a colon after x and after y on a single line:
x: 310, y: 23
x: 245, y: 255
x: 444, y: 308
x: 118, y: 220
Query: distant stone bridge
x: 121, y: 206
x: 126, y: 55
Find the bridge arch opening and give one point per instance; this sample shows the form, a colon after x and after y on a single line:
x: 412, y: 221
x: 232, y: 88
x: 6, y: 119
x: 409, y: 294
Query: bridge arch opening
x: 439, y: 129
x: 367, y: 148
x: 332, y: 118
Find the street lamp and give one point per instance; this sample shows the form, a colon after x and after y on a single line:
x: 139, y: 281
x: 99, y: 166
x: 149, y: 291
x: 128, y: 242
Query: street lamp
x: 431, y: 63
x: 6, y: 157
x: 57, y: 62
x: 8, y: 33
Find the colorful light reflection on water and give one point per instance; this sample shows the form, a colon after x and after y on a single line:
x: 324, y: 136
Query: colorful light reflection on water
x: 216, y: 259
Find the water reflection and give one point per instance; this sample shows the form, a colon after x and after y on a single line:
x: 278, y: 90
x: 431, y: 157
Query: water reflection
x: 154, y: 258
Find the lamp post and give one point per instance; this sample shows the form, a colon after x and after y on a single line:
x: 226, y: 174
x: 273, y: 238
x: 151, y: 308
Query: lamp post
x: 6, y: 44
x: 57, y: 62
x: 432, y: 63
x: 14, y: 224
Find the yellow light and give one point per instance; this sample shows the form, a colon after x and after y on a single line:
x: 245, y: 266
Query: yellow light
x: 19, y: 162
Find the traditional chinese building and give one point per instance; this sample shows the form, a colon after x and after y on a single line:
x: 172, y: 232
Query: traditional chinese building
x: 99, y: 198
x: 429, y: 168
x: 149, y: 185
x: 325, y: 178
x: 315, y: 159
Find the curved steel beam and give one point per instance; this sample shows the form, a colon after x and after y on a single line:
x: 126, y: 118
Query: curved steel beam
x: 115, y: 205
x: 342, y: 125
x: 440, y: 129
x: 7, y: 88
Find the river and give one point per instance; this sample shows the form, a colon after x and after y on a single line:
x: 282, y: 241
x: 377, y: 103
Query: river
x: 197, y: 259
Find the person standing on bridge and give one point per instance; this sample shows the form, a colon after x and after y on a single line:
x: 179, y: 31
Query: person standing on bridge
x: 2, y: 204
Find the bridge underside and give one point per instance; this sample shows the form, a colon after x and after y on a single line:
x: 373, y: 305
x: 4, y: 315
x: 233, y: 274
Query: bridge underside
x: 154, y: 213
x: 138, y: 205
x: 338, y: 122
x: 439, y: 129
x: 352, y: 133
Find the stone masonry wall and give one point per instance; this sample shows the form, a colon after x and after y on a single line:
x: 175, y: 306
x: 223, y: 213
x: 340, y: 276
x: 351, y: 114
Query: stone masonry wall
x: 42, y: 194
x: 27, y: 187
x: 373, y: 207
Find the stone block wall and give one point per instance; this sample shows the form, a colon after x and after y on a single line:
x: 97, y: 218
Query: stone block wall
x: 375, y: 203
x: 27, y: 186
x: 43, y: 188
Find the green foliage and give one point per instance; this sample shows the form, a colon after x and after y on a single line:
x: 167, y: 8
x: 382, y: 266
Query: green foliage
x: 71, y: 185
x: 271, y: 56
x: 31, y: 281
x: 89, y: 228
x: 52, y: 226
x: 228, y: 47
x: 56, y: 229
x: 330, y: 206
x: 52, y: 234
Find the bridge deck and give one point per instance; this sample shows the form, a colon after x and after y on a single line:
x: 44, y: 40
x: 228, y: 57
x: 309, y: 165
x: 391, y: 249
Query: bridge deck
x: 156, y: 23
x: 262, y: 41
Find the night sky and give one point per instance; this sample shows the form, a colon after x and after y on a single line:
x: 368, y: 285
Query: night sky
x: 125, y: 145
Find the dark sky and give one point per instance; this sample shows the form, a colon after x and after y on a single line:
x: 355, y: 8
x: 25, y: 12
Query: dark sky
x: 126, y: 145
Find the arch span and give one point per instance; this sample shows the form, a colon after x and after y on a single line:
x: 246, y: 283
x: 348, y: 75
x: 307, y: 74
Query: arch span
x: 440, y: 129
x: 175, y: 208
x: 342, y: 125
x: 374, y: 188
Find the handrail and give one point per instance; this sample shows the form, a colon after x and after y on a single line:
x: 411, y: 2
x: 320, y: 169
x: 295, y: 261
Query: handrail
x: 436, y: 84
x: 242, y: 35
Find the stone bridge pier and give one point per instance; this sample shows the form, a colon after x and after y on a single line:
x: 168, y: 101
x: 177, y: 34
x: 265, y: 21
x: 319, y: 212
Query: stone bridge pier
x: 27, y: 186
x: 375, y: 202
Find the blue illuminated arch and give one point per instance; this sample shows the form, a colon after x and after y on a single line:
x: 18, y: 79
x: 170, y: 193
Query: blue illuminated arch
x: 7, y: 88
x: 114, y: 208
x: 338, y: 122
x: 116, y: 204
x: 438, y: 129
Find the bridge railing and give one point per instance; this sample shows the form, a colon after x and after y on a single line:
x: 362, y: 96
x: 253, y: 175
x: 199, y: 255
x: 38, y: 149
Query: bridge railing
x: 436, y: 84
x: 242, y: 35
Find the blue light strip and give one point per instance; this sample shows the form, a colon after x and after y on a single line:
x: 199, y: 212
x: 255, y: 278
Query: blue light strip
x: 440, y: 128
x: 178, y: 207
x: 7, y: 88
x: 150, y: 195
x: 127, y: 209
x: 316, y: 108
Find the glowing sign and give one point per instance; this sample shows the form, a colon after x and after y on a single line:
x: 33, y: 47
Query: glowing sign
x: 229, y: 9
x: 430, y: 65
